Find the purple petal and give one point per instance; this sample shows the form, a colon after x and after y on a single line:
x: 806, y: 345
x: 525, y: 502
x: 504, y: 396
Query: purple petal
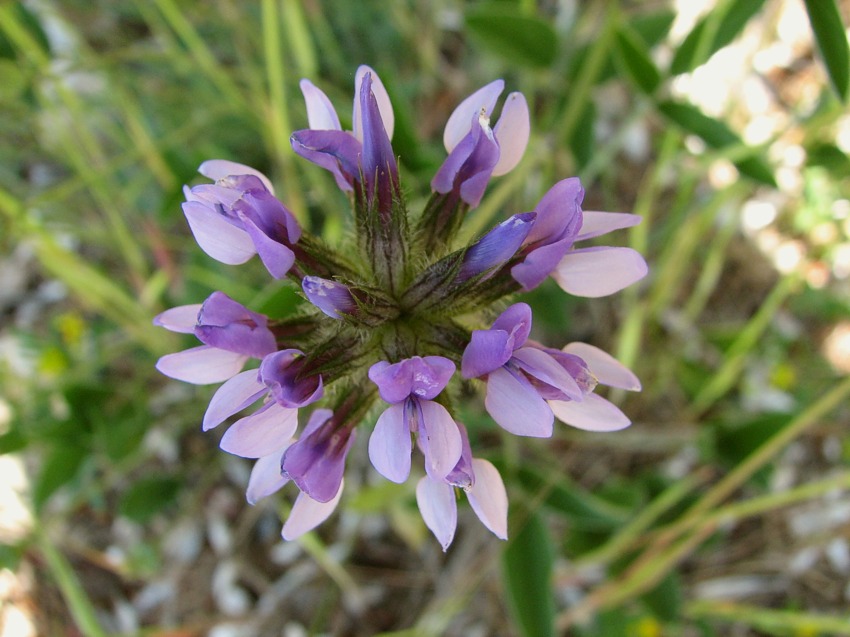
x: 546, y: 369
x: 457, y: 126
x: 390, y: 445
x: 179, y: 319
x: 336, y: 151
x: 595, y: 272
x: 467, y: 169
x: 512, y: 132
x: 316, y: 462
x: 202, y: 365
x: 229, y: 325
x: 307, y: 514
x: 439, y: 438
x: 497, y: 246
x: 517, y: 321
x: 265, y: 476
x: 487, y: 350
x: 280, y: 372
x: 277, y: 257
x: 235, y: 395
x: 216, y: 169
x: 422, y: 377
x: 559, y: 213
x: 254, y: 436
x: 393, y: 381
x: 596, y: 223
x: 385, y: 107
x: 540, y: 263
x: 516, y: 406
x: 216, y: 236
x: 462, y: 475
x: 594, y: 413
x: 607, y: 369
x: 438, y: 507
x: 321, y: 114
x: 488, y: 498
x: 329, y: 296
x: 377, y: 162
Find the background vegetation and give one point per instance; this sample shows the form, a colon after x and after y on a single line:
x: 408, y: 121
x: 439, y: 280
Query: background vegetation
x: 724, y: 510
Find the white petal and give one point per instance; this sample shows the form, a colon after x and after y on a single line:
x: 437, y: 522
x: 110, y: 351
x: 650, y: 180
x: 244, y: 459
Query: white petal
x: 321, y: 114
x: 461, y: 118
x: 594, y: 413
x: 221, y: 240
x: 512, y: 132
x: 438, y: 507
x: 232, y: 397
x: 181, y: 319
x: 595, y: 272
x: 202, y: 365
x: 440, y: 438
x: 488, y: 498
x: 385, y: 107
x: 257, y: 435
x: 265, y: 476
x: 390, y: 445
x: 607, y: 369
x: 516, y: 406
x: 216, y: 169
x: 594, y: 224
x: 307, y: 514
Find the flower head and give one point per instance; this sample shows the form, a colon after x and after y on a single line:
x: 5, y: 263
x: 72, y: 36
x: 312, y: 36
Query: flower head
x: 391, y: 310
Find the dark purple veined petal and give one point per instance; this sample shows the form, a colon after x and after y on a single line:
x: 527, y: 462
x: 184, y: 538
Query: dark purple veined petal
x: 226, y: 324
x: 377, y: 162
x: 280, y: 372
x: 330, y: 297
x: 540, y: 263
x: 336, y: 151
x: 469, y: 166
x: 382, y: 99
x: 436, y: 501
x: 497, y: 246
x: 276, y: 256
x: 559, y: 214
x: 417, y: 376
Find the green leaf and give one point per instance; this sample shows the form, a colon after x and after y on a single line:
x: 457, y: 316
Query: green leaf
x: 832, y: 42
x: 60, y: 467
x: 582, y: 141
x: 633, y: 56
x: 717, y: 135
x: 665, y: 600
x: 517, y: 37
x: 148, y: 496
x: 692, y: 53
x: 527, y: 568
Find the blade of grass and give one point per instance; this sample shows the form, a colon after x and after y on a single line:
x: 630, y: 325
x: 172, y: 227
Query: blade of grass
x: 769, y: 620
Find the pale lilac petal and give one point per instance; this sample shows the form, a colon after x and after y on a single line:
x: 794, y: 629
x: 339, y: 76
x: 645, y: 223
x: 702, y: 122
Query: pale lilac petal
x: 458, y: 125
x: 255, y: 436
x: 595, y: 272
x: 385, y: 107
x: 219, y: 238
x: 202, y: 365
x: 266, y: 477
x: 390, y: 445
x: 512, y: 132
x: 321, y: 115
x: 438, y: 507
x: 543, y: 367
x: 607, y: 369
x: 597, y: 223
x: 216, y: 169
x: 594, y: 413
x: 515, y: 405
x: 488, y: 498
x: 179, y: 319
x: 307, y: 514
x: 439, y: 438
x: 232, y: 397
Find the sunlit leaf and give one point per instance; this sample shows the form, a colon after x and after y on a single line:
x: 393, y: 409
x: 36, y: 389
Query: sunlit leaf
x: 832, y: 42
x: 527, y: 567
x: 633, y: 56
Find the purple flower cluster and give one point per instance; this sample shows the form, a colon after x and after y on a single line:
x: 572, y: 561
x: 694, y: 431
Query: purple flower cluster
x: 379, y: 328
